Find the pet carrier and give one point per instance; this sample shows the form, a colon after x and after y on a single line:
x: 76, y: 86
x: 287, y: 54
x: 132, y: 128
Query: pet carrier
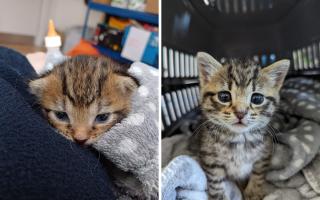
x: 265, y: 30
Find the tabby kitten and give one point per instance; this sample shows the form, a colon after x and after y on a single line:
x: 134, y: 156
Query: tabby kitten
x: 85, y: 96
x: 238, y: 101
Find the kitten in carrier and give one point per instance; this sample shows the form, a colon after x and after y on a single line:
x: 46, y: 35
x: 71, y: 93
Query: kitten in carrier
x: 238, y: 101
x: 85, y: 96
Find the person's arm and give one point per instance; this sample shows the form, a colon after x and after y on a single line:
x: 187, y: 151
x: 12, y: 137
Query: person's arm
x: 38, y: 163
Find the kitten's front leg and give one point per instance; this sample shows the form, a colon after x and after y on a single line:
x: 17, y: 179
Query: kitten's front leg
x: 255, y: 188
x: 216, y: 176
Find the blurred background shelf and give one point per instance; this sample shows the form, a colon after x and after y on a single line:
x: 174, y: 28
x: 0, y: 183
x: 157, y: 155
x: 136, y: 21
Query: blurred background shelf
x: 145, y: 17
x: 306, y: 72
x: 125, y: 13
x: 180, y: 81
x: 177, y: 125
x: 112, y: 54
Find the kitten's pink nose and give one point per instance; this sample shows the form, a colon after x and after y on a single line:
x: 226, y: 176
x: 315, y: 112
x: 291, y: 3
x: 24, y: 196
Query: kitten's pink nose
x: 240, y: 115
x: 80, y: 136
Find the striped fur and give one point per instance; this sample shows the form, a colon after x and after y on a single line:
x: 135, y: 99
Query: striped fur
x: 84, y: 87
x: 233, y: 148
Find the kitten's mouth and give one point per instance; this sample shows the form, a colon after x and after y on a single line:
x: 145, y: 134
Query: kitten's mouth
x: 83, y: 143
x: 240, y: 124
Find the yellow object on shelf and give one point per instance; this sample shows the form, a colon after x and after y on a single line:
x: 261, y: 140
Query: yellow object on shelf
x: 119, y: 24
x: 102, y: 1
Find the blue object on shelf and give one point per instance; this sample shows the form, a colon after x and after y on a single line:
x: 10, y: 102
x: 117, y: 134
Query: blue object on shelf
x: 264, y: 60
x: 272, y: 58
x: 112, y: 54
x: 125, y: 13
x: 150, y: 54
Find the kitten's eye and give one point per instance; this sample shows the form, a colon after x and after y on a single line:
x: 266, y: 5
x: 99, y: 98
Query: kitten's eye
x: 63, y: 116
x: 257, y: 98
x: 224, y: 96
x: 102, y: 117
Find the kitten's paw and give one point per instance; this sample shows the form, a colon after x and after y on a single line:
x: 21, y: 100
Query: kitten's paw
x: 217, y: 196
x: 254, y: 194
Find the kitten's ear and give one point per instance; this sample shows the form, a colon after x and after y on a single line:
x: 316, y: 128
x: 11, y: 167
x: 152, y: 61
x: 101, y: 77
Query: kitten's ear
x: 276, y: 72
x: 37, y: 86
x: 207, y: 66
x: 127, y: 84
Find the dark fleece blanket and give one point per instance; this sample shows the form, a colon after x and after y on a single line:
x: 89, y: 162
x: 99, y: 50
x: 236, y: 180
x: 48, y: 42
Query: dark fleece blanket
x: 35, y: 161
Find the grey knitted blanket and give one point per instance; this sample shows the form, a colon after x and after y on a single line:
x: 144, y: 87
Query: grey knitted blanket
x: 132, y: 145
x: 295, y: 173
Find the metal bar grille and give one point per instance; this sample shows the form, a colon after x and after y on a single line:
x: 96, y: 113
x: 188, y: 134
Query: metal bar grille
x: 181, y: 94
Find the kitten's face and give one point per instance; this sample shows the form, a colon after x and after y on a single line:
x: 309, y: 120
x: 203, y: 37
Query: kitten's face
x: 240, y: 96
x: 85, y: 96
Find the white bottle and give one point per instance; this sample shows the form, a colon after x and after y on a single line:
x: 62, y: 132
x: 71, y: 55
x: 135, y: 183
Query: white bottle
x: 53, y: 43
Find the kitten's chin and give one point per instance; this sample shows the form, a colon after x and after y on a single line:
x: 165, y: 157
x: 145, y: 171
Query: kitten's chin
x: 90, y: 141
x: 239, y: 128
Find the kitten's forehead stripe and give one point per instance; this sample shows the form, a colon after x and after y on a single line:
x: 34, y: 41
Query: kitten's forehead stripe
x: 242, y: 73
x: 83, y: 77
x: 255, y: 76
x: 101, y: 80
x: 63, y: 82
x: 230, y: 77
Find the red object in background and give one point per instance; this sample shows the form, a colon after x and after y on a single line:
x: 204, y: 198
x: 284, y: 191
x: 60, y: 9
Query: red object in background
x: 150, y: 28
x: 83, y: 48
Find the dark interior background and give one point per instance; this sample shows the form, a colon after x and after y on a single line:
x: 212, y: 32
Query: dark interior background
x: 258, y: 29
x: 191, y: 26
